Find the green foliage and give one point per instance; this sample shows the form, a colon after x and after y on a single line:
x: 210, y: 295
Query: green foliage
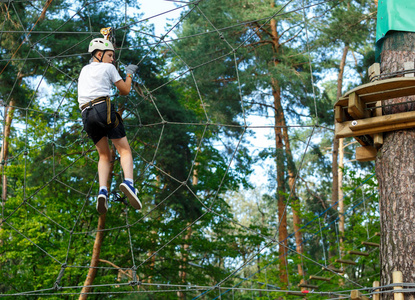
x: 196, y: 218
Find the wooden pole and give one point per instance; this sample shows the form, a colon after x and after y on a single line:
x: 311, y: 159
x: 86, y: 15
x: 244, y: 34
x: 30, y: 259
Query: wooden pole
x: 376, y: 296
x: 397, y: 278
x: 94, y: 260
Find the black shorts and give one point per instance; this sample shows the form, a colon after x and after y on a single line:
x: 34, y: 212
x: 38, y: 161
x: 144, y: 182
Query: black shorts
x: 96, y: 125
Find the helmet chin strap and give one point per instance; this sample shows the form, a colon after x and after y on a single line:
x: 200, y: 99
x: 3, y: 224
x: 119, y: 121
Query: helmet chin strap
x: 103, y: 53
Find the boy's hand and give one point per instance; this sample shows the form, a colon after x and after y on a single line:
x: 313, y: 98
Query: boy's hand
x: 131, y: 69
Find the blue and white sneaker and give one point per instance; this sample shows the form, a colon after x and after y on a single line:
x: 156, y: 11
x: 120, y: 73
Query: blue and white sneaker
x: 131, y: 194
x: 102, y: 205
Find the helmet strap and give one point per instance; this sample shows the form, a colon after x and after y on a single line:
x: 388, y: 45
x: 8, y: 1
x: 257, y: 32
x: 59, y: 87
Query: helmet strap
x: 103, y: 53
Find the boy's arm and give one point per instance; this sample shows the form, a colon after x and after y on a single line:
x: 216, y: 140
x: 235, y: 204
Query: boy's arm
x: 124, y: 87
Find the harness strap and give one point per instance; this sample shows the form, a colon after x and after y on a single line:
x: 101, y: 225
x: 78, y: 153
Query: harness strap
x: 108, y: 102
x: 95, y: 101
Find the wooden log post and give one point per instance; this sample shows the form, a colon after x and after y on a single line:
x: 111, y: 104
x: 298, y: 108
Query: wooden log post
x: 397, y: 278
x: 374, y: 72
x: 371, y: 244
x: 376, y: 296
x: 333, y: 269
x: 346, y: 261
x: 358, y: 253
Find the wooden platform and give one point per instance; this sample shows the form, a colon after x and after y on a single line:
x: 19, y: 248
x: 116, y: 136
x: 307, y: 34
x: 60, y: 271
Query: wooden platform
x: 358, y: 114
x: 381, y: 90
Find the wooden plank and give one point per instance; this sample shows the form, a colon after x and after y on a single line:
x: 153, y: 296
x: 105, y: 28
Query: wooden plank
x: 397, y: 278
x: 312, y: 277
x: 386, y: 120
x: 333, y: 269
x: 346, y: 261
x: 359, y: 253
x: 371, y: 244
x: 374, y: 125
x: 310, y: 286
x: 355, y: 107
x: 378, y: 137
x: 339, y: 114
x: 373, y: 71
x: 357, y: 295
x: 376, y: 296
x: 381, y: 90
x: 366, y: 153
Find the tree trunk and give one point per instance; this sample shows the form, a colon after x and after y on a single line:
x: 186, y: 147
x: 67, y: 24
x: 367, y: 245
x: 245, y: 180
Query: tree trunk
x: 282, y: 215
x: 292, y: 173
x: 150, y: 253
x: 340, y: 153
x: 185, y: 258
x: 9, y: 112
x: 341, y: 202
x: 335, y: 164
x: 92, y: 272
x: 279, y: 145
x: 395, y: 170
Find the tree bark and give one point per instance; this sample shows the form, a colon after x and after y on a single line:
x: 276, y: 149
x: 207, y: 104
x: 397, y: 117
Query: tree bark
x: 341, y: 202
x: 279, y: 145
x: 292, y: 174
x: 282, y: 215
x: 185, y: 258
x: 340, y: 154
x: 189, y: 231
x: 335, y: 163
x: 9, y: 111
x: 92, y: 272
x: 395, y: 170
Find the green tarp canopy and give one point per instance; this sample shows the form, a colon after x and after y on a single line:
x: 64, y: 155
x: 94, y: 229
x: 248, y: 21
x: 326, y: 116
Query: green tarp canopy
x: 396, y: 15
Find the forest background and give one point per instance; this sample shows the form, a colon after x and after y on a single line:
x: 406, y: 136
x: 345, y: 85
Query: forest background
x: 221, y: 209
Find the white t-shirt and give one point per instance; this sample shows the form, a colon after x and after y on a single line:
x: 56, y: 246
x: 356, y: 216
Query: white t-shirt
x: 96, y: 80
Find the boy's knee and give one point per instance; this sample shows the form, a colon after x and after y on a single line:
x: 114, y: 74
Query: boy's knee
x: 125, y: 152
x: 105, y: 156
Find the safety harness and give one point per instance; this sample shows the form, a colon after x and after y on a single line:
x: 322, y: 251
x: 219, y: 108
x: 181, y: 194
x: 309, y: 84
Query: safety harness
x: 107, y: 100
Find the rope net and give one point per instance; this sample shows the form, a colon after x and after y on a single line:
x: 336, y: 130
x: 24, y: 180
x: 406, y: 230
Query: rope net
x: 186, y: 164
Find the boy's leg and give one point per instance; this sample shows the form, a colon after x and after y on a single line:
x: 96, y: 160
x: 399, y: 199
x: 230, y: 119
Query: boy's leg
x: 104, y: 167
x: 126, y: 157
x: 123, y: 148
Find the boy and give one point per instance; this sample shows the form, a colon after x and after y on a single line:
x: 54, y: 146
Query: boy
x: 100, y: 120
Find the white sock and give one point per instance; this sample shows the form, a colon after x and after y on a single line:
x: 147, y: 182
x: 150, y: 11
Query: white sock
x: 103, y: 188
x: 129, y: 180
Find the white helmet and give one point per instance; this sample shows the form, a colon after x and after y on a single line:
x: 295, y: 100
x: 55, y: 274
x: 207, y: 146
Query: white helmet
x: 100, y: 44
